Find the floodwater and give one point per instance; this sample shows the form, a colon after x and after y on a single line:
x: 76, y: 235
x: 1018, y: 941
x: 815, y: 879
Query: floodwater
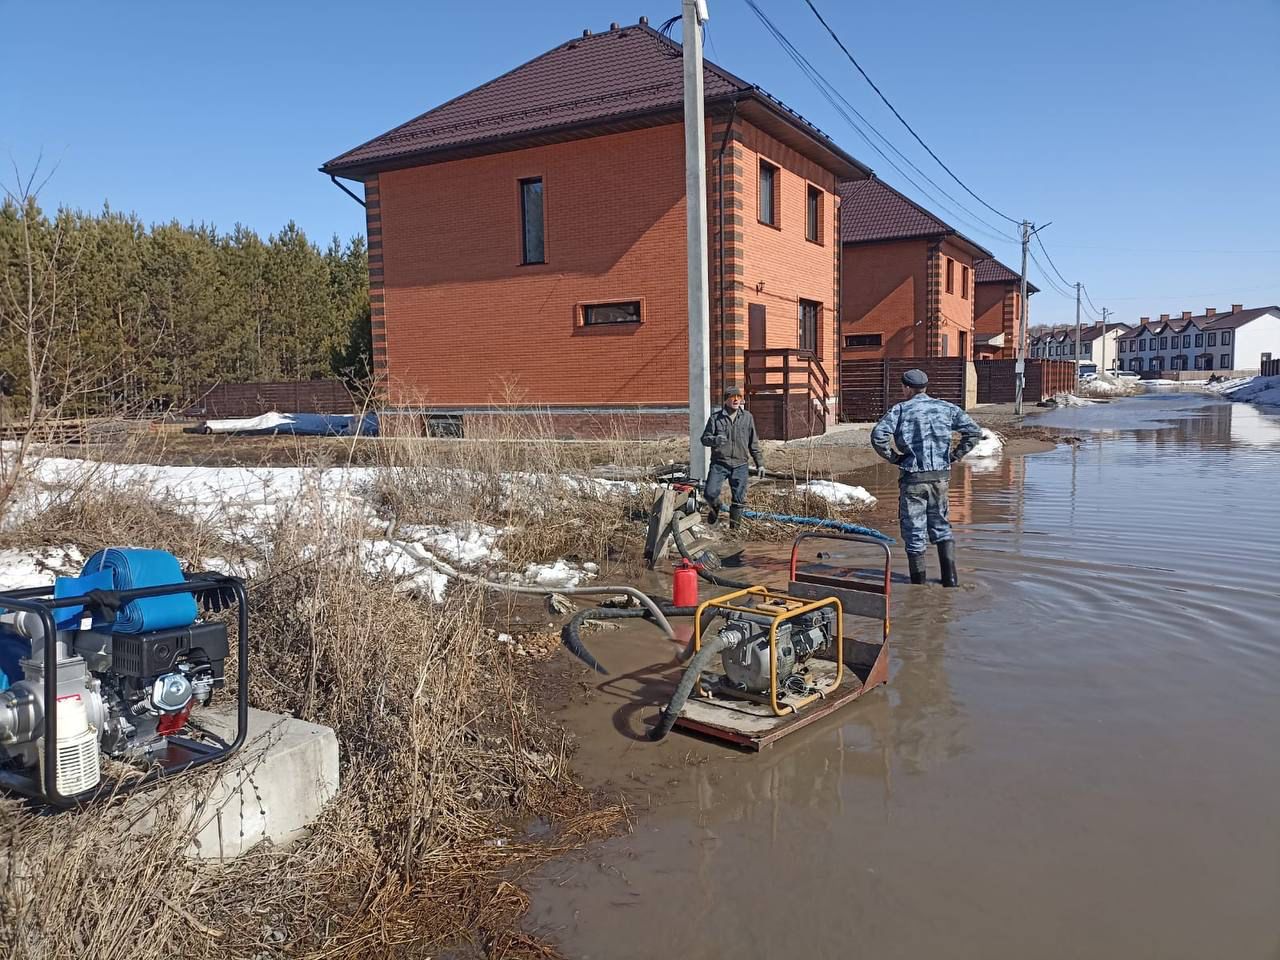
x: 1078, y: 753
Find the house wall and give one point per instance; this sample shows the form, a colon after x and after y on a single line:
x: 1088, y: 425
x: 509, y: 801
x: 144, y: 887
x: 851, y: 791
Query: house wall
x: 884, y: 290
x: 954, y: 336
x: 467, y: 325
x: 1254, y: 339
x: 779, y: 265
x: 995, y: 312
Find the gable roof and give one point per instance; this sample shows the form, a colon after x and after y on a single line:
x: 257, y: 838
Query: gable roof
x: 630, y: 77
x: 1203, y: 322
x: 993, y: 271
x: 1229, y: 321
x: 871, y: 210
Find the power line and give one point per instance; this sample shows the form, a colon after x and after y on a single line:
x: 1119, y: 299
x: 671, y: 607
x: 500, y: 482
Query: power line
x: 831, y: 94
x: 840, y: 43
x: 1050, y: 259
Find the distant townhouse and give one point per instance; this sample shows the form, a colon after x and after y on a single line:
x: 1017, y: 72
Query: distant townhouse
x: 1096, y: 345
x: 1239, y: 340
x: 527, y: 240
x: 997, y: 301
x: 907, y: 288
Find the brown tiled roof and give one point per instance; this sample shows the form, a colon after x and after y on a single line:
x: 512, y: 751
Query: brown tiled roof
x: 1229, y: 321
x: 621, y: 75
x: 871, y: 210
x: 993, y: 271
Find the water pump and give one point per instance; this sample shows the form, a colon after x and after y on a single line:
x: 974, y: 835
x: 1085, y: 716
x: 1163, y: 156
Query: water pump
x: 113, y: 664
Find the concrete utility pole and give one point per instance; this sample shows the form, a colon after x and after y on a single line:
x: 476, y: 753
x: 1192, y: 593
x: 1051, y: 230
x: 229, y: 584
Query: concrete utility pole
x: 1021, y: 365
x: 1077, y: 330
x: 695, y: 195
x: 1102, y: 364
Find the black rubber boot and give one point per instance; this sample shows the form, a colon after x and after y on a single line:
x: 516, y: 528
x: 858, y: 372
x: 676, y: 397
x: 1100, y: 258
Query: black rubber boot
x: 713, y: 515
x: 947, y: 559
x: 916, y: 564
x: 735, y: 517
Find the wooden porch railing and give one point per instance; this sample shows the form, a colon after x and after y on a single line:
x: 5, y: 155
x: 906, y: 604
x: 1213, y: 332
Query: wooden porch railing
x: 787, y: 390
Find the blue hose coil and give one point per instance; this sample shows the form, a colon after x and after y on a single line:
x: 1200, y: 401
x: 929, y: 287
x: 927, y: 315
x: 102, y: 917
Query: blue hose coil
x: 838, y: 525
x: 132, y: 569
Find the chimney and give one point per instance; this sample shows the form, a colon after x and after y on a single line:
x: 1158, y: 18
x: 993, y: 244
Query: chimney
x: 1144, y: 319
x: 615, y: 25
x: 644, y: 21
x: 1164, y: 318
x: 587, y: 32
x: 1237, y: 307
x: 1210, y: 311
x: 1186, y: 314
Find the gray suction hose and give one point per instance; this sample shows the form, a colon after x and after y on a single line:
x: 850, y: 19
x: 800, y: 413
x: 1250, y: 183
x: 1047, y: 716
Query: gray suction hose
x: 419, y: 553
x: 700, y: 660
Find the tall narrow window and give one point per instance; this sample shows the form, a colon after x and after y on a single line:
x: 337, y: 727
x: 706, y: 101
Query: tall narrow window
x: 813, y: 215
x: 768, y: 193
x: 810, y: 311
x: 951, y: 275
x: 964, y: 282
x: 531, y: 220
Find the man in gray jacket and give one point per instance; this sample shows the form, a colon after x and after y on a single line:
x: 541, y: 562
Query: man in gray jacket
x: 915, y: 436
x: 731, y: 435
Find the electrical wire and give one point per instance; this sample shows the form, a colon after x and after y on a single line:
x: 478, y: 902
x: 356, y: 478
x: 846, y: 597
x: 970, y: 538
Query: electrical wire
x: 1050, y: 259
x: 844, y: 108
x: 894, y: 110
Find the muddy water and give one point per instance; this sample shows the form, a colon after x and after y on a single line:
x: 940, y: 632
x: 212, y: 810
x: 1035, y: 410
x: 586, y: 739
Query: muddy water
x: 1076, y: 755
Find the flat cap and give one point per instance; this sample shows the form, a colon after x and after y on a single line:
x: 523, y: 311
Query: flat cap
x: 915, y: 378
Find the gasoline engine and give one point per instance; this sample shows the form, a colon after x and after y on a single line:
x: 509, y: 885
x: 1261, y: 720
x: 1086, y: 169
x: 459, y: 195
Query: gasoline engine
x: 745, y: 657
x: 130, y: 661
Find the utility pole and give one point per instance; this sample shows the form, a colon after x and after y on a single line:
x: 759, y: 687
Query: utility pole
x: 695, y: 195
x: 1102, y: 364
x: 1077, y: 331
x: 1021, y: 364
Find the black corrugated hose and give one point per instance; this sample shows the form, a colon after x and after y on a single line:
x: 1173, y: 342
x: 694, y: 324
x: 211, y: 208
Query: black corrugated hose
x: 706, y: 575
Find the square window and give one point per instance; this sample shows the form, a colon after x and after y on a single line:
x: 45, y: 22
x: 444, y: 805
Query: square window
x: 532, y: 227
x: 625, y: 311
x: 768, y: 194
x: 813, y: 215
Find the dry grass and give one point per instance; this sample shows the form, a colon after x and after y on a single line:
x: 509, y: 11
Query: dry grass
x: 442, y: 752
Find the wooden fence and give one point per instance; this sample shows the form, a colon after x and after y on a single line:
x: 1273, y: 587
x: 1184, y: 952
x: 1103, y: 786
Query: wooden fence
x: 1271, y: 368
x: 251, y: 399
x: 997, y: 380
x: 786, y: 391
x: 870, y: 387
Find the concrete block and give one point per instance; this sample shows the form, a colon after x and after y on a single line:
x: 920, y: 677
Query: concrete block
x: 273, y: 789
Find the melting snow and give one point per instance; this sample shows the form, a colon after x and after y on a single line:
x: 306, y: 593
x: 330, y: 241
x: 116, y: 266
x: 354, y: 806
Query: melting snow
x: 841, y: 494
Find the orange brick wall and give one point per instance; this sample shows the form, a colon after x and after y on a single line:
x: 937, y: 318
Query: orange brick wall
x: 777, y: 266
x: 994, y: 313
x: 884, y: 291
x: 955, y: 321
x: 466, y: 324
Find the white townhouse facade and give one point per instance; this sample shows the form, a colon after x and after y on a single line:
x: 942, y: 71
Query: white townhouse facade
x: 1235, y: 341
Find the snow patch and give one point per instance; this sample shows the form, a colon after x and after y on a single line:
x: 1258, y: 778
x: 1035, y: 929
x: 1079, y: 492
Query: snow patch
x: 991, y: 445
x: 561, y: 573
x: 1264, y: 391
x: 841, y: 494
x: 38, y: 566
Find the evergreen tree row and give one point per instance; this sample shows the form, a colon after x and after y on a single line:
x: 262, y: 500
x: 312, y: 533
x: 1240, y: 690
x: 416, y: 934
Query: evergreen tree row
x: 124, y: 318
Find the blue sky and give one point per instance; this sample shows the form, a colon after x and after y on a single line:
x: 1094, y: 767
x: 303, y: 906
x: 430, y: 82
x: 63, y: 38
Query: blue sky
x: 1147, y: 132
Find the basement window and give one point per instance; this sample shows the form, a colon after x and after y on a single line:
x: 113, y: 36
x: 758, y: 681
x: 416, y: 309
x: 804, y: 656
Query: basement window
x: 864, y: 340
x: 532, y: 222
x: 768, y: 198
x: 598, y: 314
x: 813, y: 215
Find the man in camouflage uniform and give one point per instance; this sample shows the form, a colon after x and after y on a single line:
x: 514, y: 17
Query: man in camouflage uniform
x: 915, y: 436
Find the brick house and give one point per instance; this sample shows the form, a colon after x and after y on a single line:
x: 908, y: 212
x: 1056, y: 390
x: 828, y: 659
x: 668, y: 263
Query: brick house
x: 527, y: 240
x: 997, y: 299
x: 907, y: 288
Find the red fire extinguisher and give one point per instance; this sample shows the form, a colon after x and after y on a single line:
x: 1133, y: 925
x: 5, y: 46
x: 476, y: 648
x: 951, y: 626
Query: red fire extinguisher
x: 684, y: 590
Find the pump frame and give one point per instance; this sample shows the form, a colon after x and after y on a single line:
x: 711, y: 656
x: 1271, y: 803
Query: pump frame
x: 38, y: 600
